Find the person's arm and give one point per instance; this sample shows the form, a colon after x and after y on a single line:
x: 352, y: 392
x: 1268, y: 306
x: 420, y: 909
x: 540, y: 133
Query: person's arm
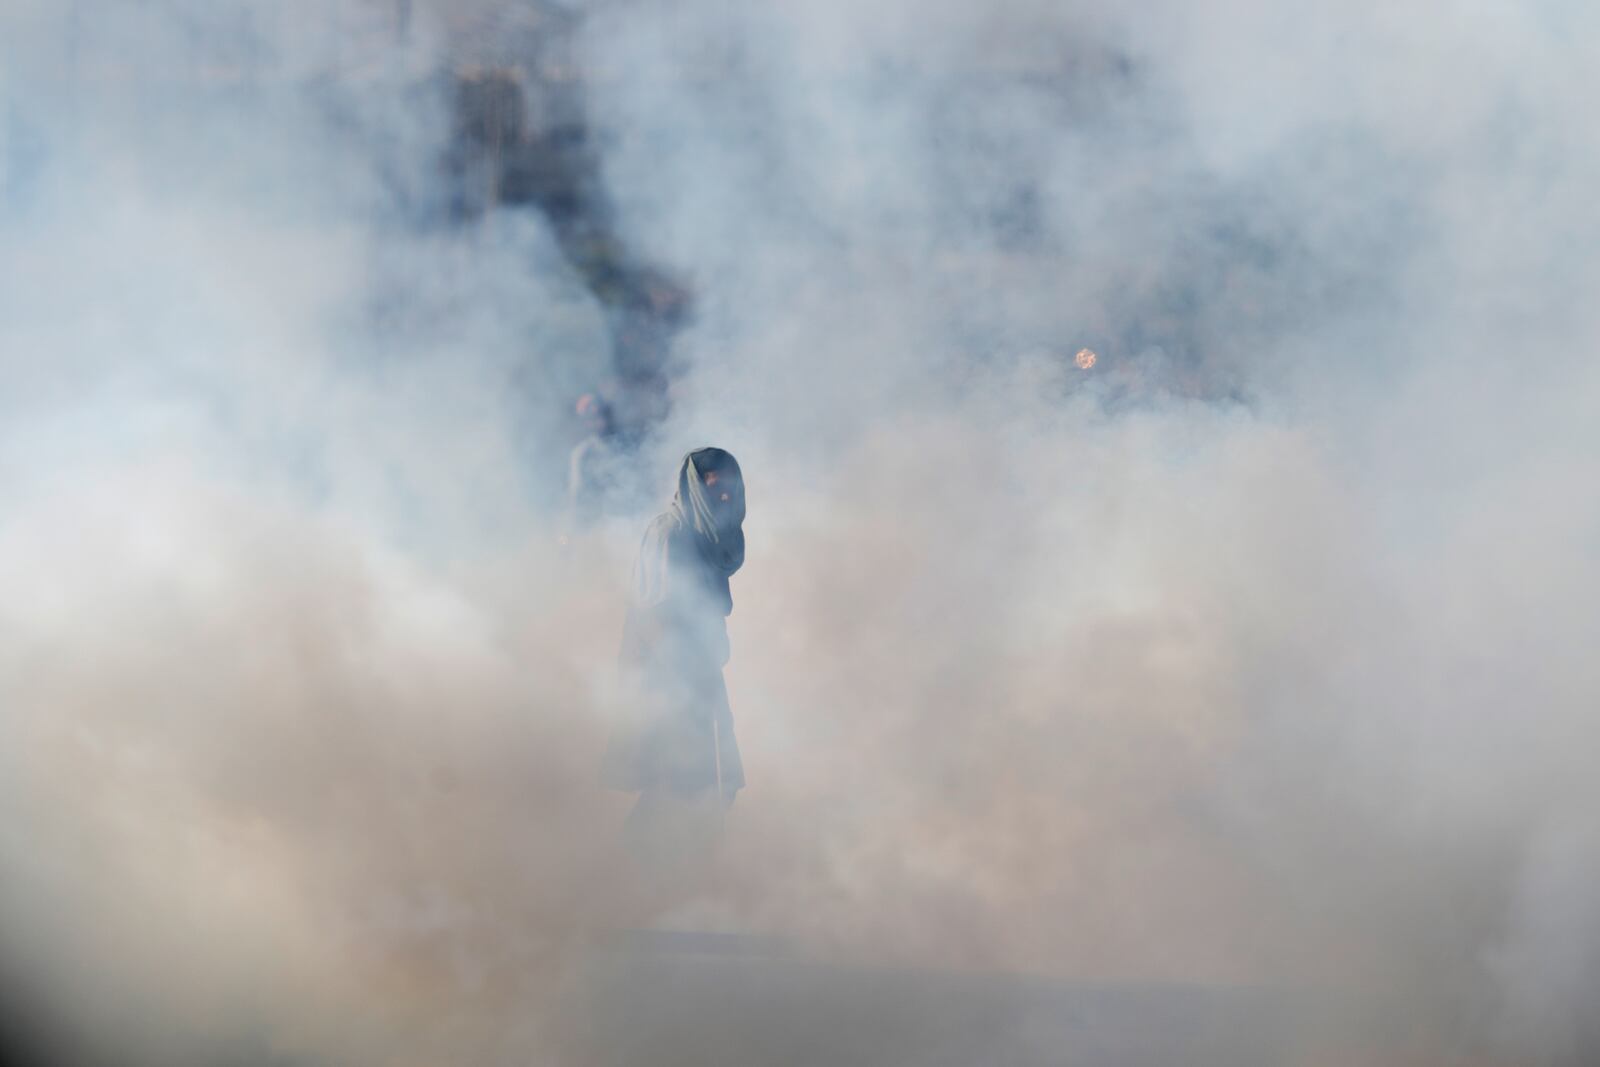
x: 719, y: 637
x: 569, y: 516
x: 654, y: 584
x: 575, y: 474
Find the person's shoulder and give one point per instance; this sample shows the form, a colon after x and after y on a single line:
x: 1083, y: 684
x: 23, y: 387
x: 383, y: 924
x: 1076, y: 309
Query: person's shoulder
x: 665, y: 525
x: 662, y: 541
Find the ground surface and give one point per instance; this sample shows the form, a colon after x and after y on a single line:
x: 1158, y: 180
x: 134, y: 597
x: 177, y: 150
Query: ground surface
x: 722, y: 999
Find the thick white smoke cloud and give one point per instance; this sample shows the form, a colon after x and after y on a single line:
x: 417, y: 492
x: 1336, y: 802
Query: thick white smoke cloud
x: 280, y: 675
x: 1260, y: 653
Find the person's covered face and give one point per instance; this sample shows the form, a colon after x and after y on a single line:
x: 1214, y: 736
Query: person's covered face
x: 592, y: 414
x: 724, y: 491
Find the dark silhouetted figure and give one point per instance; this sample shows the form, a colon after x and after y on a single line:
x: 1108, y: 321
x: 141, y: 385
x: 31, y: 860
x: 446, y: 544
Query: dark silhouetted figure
x: 675, y: 745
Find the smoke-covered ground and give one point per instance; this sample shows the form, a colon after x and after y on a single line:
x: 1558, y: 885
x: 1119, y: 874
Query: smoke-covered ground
x: 1261, y: 653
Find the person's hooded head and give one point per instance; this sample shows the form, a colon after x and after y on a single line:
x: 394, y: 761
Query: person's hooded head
x: 594, y: 414
x: 710, y: 502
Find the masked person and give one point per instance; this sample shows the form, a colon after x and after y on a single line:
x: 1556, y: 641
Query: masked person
x: 674, y: 745
x: 594, y: 473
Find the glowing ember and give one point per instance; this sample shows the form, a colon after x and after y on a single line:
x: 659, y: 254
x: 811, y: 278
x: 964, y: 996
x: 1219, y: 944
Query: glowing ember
x: 1085, y: 358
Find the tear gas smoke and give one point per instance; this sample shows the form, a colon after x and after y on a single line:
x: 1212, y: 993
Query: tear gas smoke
x: 1262, y: 655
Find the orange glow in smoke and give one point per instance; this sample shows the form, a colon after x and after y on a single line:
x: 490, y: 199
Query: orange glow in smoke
x: 1085, y: 358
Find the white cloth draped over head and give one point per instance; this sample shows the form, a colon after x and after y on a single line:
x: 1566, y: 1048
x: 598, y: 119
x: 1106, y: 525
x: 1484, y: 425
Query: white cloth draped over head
x: 716, y: 534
